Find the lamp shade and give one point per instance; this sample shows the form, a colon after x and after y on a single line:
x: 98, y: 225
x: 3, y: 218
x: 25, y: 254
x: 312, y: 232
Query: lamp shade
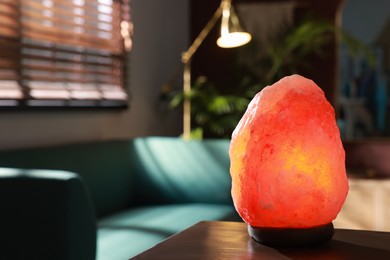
x: 232, y: 34
x: 287, y: 159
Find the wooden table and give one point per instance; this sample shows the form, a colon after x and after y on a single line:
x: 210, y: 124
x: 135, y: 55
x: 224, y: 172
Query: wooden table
x: 230, y: 240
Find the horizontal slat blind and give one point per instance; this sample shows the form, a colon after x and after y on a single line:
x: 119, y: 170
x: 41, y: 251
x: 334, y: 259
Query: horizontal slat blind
x: 10, y: 53
x: 61, y: 52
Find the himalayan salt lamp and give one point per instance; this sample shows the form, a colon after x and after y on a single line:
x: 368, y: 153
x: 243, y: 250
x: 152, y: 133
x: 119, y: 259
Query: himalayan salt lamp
x: 288, y: 165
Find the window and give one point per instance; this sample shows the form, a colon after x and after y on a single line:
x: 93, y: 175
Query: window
x: 64, y: 53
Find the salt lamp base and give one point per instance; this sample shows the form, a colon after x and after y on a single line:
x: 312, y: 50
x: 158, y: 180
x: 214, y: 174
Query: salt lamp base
x: 292, y: 237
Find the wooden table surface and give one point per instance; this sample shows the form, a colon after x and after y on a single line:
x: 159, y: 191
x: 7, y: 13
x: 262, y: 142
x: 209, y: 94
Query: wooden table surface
x: 230, y: 240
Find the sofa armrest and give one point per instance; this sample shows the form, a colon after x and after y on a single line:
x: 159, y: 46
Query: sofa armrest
x: 45, y: 215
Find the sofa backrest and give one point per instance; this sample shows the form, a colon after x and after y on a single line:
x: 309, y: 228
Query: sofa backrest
x: 173, y: 170
x: 148, y: 170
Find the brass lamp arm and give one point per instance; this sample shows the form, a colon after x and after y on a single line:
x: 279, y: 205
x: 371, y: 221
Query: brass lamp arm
x: 187, y: 55
x: 186, y: 60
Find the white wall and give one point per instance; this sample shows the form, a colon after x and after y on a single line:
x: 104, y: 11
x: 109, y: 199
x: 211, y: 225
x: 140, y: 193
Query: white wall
x: 161, y: 34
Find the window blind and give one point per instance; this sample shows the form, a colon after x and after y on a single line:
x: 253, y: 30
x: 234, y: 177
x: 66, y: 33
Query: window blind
x: 64, y: 52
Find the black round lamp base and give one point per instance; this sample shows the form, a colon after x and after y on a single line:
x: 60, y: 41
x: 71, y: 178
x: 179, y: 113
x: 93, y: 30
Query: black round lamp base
x: 292, y: 237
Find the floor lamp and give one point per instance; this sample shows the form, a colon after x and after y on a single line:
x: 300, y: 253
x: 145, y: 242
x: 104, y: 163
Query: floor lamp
x: 232, y: 35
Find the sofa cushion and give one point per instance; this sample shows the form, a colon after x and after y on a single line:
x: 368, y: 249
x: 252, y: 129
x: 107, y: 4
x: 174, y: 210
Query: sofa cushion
x: 133, y: 231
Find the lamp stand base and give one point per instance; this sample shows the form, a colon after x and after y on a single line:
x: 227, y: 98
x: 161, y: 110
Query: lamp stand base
x: 292, y: 237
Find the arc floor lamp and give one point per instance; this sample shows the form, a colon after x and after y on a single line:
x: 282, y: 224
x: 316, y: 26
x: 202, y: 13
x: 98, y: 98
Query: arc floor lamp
x: 232, y: 35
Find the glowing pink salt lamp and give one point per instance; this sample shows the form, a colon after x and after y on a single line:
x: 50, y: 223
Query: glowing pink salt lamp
x: 288, y: 165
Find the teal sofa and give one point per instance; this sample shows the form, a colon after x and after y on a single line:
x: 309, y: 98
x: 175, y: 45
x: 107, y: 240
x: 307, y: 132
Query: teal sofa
x: 109, y: 200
